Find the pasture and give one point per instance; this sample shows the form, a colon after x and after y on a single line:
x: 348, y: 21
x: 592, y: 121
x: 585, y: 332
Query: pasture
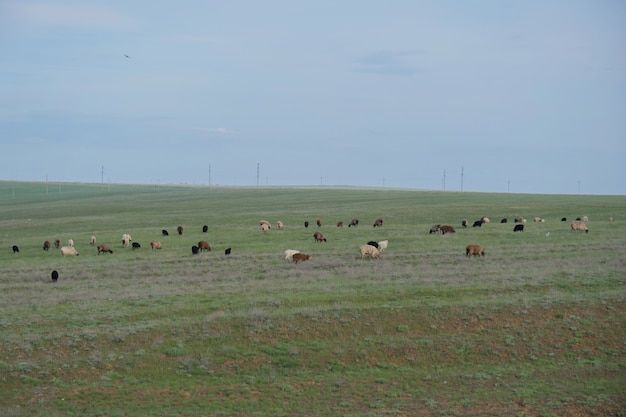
x: 536, y: 327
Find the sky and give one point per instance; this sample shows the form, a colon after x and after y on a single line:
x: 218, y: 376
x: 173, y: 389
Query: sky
x: 524, y: 96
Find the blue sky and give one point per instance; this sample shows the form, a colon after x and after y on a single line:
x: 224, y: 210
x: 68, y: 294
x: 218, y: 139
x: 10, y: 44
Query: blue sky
x: 520, y: 96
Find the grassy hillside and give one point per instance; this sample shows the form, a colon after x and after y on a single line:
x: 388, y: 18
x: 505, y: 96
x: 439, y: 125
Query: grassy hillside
x: 536, y: 327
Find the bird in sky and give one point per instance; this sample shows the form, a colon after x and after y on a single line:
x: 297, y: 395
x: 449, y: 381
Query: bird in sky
x: 126, y: 56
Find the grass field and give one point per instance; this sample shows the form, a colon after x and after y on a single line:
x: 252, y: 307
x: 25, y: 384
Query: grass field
x: 535, y: 328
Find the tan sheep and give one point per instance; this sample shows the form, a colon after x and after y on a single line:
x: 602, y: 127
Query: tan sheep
x: 69, y: 251
x: 70, y: 242
x: 474, y: 250
x: 265, y: 227
x: 485, y: 219
x: 382, y: 245
x: 155, y: 244
x: 125, y: 242
x: 104, y: 248
x: 92, y: 240
x: 280, y: 225
x: 579, y: 225
x: 585, y: 219
x: 289, y: 254
x: 369, y: 250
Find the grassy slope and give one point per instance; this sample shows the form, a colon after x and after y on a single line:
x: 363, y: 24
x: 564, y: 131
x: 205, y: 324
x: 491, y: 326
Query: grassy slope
x: 535, y: 328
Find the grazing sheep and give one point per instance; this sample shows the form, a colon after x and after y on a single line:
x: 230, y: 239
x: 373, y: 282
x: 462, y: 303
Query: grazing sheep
x: 204, y: 245
x: 578, y: 225
x: 280, y: 225
x: 319, y: 222
x: 585, y: 219
x: 69, y: 251
x: 179, y: 229
x: 227, y: 251
x: 300, y: 257
x: 563, y: 219
x: 265, y: 227
x: 464, y: 223
x: 485, y: 219
x: 306, y: 223
x: 474, y: 250
x: 265, y: 222
x: 378, y: 223
x: 447, y: 229
x: 435, y: 229
x: 92, y: 240
x: 340, y: 224
x: 579, y: 219
x: 55, y: 276
x: 382, y: 245
x: 70, y: 242
x: 57, y: 243
x: 478, y: 223
x: 354, y: 222
x: 289, y: 254
x: 46, y: 245
x: 518, y: 228
x: 372, y: 243
x: 538, y: 220
x: 136, y: 245
x: 504, y: 221
x: 369, y: 250
x: 194, y: 250
x: 520, y: 219
x: 205, y: 228
x: 319, y: 237
x: 127, y: 236
x: 125, y: 241
x: 16, y: 249
x: 104, y: 248
x: 164, y: 232
x: 155, y: 244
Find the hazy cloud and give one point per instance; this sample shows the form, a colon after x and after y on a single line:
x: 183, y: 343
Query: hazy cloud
x: 387, y: 63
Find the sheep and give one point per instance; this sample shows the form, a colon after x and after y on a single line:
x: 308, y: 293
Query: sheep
x: 485, y: 219
x: 262, y: 222
x: 16, y: 249
x: 520, y: 219
x: 563, y: 219
x: 227, y: 251
x: 46, y: 245
x: 127, y: 236
x: 382, y: 245
x: 205, y: 228
x: 585, y: 219
x: 504, y: 220
x: 538, y: 220
x: 579, y: 225
x: 474, y: 250
x: 92, y: 240
x: 319, y: 222
x: 477, y: 223
x: 280, y: 225
x: 125, y: 241
x: 57, y: 243
x: 179, y: 229
x: 265, y: 227
x: 69, y: 251
x: 289, y: 254
x: 518, y: 228
x: 104, y: 248
x: 447, y: 229
x: 319, y: 237
x: 194, y: 250
x: 378, y: 223
x: 55, y: 276
x: 354, y: 222
x: 464, y: 223
x: 340, y: 224
x: 369, y: 250
x: 155, y: 244
x: 70, y: 242
x: 204, y: 245
x: 372, y: 243
x: 300, y: 257
x: 136, y: 245
x: 435, y: 229
x: 165, y: 232
x: 306, y: 223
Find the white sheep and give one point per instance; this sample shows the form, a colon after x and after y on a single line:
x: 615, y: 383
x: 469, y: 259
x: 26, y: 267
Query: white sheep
x: 289, y: 254
x: 69, y: 251
x: 382, y: 245
x: 92, y: 240
x: 369, y: 250
x: 70, y: 243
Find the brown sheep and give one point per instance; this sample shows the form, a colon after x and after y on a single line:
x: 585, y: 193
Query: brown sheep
x: 46, y: 245
x: 474, y: 250
x: 354, y: 222
x: 204, y: 245
x: 464, y: 223
x: 319, y: 222
x: 104, y: 248
x: 447, y: 229
x: 179, y: 229
x: 155, y: 244
x: 369, y: 250
x: 579, y: 225
x: 57, y: 243
x: 319, y: 237
x: 300, y: 257
x: 378, y: 223
x: 340, y: 224
x: 435, y: 229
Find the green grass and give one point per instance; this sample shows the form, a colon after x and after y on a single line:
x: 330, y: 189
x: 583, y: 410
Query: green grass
x: 536, y: 327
